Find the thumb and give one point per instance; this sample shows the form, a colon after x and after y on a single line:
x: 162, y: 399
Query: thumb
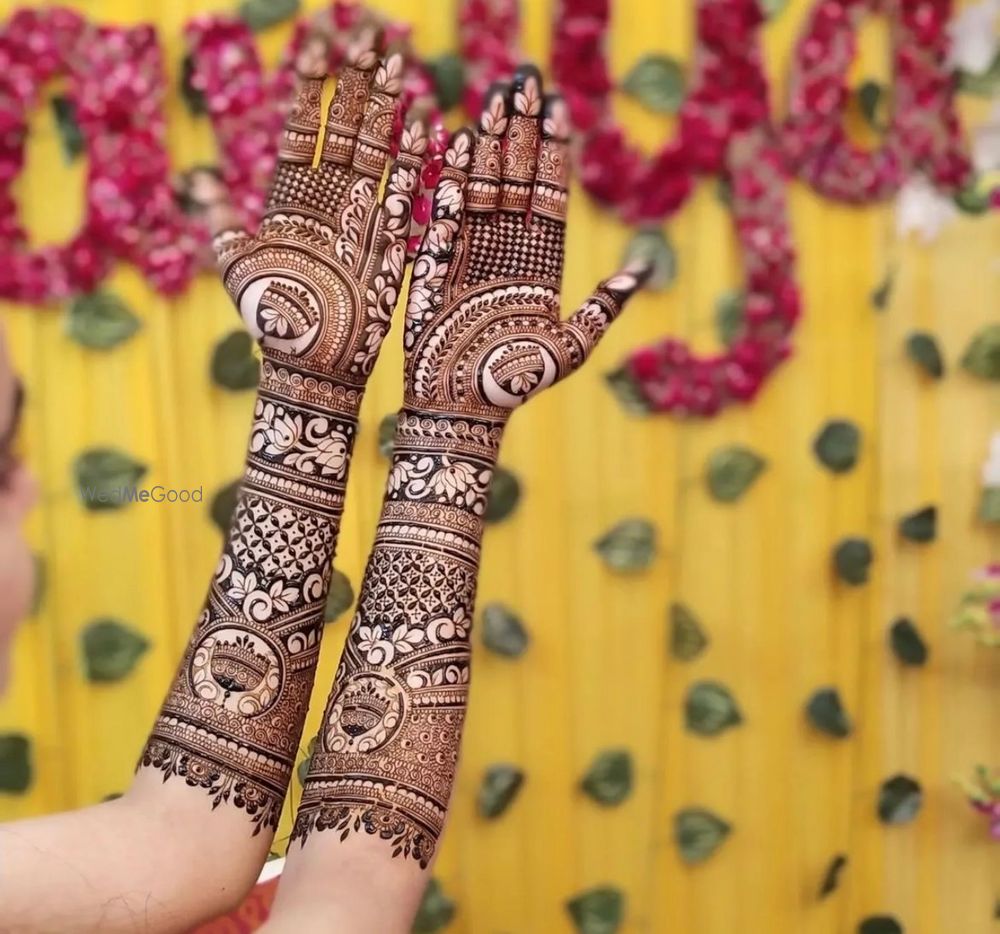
x: 589, y: 323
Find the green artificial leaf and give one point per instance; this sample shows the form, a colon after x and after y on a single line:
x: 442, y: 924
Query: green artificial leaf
x: 772, y: 8
x: 870, y: 96
x: 922, y: 348
x: 724, y: 191
x: 503, y: 631
x: 883, y: 291
x: 15, y: 763
x: 837, y: 444
x: 193, y: 99
x: 609, y: 778
x: 110, y: 649
x: 387, y: 434
x: 657, y: 82
x: 687, y: 637
x: 38, y: 591
x: 907, y: 643
x: 499, y: 788
x: 899, y: 800
x: 699, y: 833
x: 852, y: 559
x: 983, y: 84
x: 626, y: 390
x: 729, y: 308
x: 111, y: 796
x: 831, y: 878
x: 651, y: 245
x: 302, y: 770
x: 919, y: 526
x: 975, y: 198
x: 597, y: 911
x: 505, y: 492
x: 710, y: 708
x: 982, y: 356
x: 448, y: 74
x: 731, y: 471
x: 100, y: 320
x: 102, y: 474
x: 826, y: 712
x: 436, y: 910
x: 262, y: 14
x: 234, y: 365
x: 224, y: 505
x: 340, y: 596
x: 630, y: 545
x: 70, y: 136
x: 880, y: 924
x: 989, y: 504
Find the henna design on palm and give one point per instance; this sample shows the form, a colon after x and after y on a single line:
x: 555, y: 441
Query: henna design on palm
x: 316, y: 284
x: 483, y: 334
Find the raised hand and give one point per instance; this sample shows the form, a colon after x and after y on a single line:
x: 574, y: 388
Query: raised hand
x: 318, y: 282
x: 483, y: 328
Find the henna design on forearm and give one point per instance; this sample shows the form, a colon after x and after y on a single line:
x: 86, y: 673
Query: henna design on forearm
x: 483, y: 334
x: 316, y: 285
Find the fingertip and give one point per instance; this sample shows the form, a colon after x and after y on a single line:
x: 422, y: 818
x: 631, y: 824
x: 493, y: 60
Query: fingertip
x: 527, y: 91
x: 555, y: 117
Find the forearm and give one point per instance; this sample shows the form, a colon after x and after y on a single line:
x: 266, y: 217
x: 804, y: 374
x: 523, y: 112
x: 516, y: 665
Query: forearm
x: 212, y: 779
x: 382, y: 773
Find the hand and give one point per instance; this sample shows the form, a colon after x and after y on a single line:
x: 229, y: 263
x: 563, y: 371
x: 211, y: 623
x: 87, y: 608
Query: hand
x: 483, y: 329
x: 318, y: 282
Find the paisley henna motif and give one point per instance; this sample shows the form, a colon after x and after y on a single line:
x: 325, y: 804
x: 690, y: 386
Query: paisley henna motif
x: 316, y: 285
x: 483, y: 334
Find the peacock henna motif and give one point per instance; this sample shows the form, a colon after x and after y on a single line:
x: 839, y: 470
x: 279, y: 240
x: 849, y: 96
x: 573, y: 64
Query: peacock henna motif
x: 483, y: 334
x: 316, y: 285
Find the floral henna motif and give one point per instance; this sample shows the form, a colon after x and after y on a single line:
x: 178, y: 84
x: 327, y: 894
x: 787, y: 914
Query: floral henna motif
x: 316, y: 285
x: 483, y: 333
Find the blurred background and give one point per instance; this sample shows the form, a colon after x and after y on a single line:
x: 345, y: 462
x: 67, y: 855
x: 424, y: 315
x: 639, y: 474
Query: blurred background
x: 746, y: 708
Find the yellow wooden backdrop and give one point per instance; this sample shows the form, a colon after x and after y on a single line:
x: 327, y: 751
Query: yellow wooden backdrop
x: 597, y: 674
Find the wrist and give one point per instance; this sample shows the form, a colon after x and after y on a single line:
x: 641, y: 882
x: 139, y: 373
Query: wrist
x: 299, y: 386
x: 443, y: 433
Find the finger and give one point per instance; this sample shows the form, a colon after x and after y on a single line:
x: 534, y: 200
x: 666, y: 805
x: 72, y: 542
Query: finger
x: 548, y: 197
x: 298, y: 140
x: 401, y: 186
x: 437, y: 249
x: 483, y: 191
x: 590, y: 322
x: 371, y: 151
x: 520, y: 155
x: 347, y: 109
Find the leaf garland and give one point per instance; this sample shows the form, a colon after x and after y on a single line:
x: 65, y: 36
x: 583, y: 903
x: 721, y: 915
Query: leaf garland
x: 101, y: 474
x: 193, y: 98
x: 263, y: 14
x: 100, y: 320
x: 688, y: 638
x: 730, y: 308
x: 436, y: 910
x: 16, y: 771
x: 70, y: 135
x: 503, y: 631
x: 302, y: 769
x: 698, y: 833
x: 608, y: 780
x: 498, y: 789
x: 989, y: 505
x: 870, y: 97
x: 919, y: 526
x: 831, y: 878
x: 40, y: 581
x: 340, y: 596
x: 110, y: 649
x: 223, y: 506
x: 922, y: 348
x: 899, y: 799
x: 837, y: 444
x: 234, y: 364
x: 387, y: 434
x: 597, y: 911
x: 852, y: 559
x: 880, y: 924
x: 629, y: 545
x: 882, y: 293
x: 982, y: 356
x: 626, y: 390
x: 907, y: 643
x: 657, y: 82
x: 505, y: 494
x: 651, y: 245
x: 826, y: 712
x: 731, y: 471
x: 710, y: 709
x: 448, y: 74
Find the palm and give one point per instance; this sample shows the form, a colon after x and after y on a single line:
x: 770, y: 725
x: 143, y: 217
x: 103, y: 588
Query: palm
x: 483, y: 328
x: 318, y: 282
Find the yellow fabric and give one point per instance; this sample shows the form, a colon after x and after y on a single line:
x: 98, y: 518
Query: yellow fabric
x: 597, y: 673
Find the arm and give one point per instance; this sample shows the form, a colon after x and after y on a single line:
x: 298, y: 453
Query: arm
x: 483, y: 333
x: 316, y: 285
